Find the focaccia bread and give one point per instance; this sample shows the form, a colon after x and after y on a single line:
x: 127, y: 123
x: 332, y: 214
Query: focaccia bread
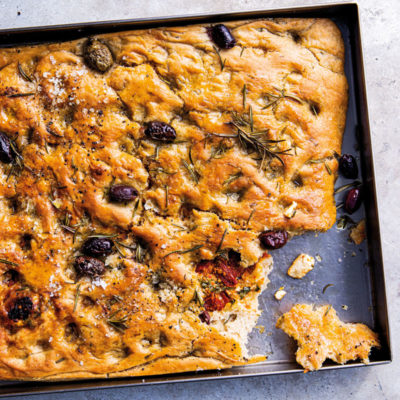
x: 137, y: 171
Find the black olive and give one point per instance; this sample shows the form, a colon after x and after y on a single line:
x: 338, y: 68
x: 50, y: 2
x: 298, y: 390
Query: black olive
x: 6, y: 153
x: 97, y: 55
x: 348, y: 166
x: 97, y: 247
x: 205, y: 317
x: 158, y: 130
x: 222, y: 36
x: 122, y: 193
x: 21, y: 309
x: 273, y: 239
x: 353, y: 200
x: 89, y: 266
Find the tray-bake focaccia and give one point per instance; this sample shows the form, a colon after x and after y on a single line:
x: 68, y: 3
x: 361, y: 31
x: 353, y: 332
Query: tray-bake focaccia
x: 142, y: 175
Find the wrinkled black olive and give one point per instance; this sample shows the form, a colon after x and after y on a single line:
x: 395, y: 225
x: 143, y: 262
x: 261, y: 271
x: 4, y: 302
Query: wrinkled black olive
x: 205, y: 317
x: 158, y: 130
x: 89, y: 266
x: 21, y: 309
x: 222, y: 36
x: 6, y: 153
x: 97, y: 247
x: 353, y: 200
x: 97, y: 55
x: 273, y: 239
x: 348, y: 166
x: 122, y: 193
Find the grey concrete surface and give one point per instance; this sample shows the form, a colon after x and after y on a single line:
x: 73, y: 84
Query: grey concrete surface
x: 381, y: 40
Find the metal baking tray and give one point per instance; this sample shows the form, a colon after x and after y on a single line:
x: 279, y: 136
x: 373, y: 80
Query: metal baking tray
x: 356, y: 272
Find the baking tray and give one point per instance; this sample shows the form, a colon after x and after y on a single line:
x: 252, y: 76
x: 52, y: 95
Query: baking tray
x: 356, y: 272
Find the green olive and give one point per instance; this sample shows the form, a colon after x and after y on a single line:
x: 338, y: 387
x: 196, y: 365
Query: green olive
x: 97, y: 55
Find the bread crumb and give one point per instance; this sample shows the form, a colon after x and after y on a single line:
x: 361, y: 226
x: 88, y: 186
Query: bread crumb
x: 303, y: 264
x: 280, y: 293
x: 261, y: 328
x: 357, y: 234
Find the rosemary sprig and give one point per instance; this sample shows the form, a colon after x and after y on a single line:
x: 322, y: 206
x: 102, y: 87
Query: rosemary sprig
x: 119, y: 324
x: 2, y: 260
x: 23, y: 74
x: 221, y: 242
x: 197, y: 247
x: 273, y: 99
x: 219, y: 151
x: 255, y: 140
x: 222, y: 62
x: 78, y: 290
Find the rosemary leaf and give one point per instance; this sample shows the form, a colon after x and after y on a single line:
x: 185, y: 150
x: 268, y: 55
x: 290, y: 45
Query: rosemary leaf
x: 328, y: 309
x: 68, y: 228
x: 222, y: 62
x: 8, y: 262
x: 11, y: 96
x: 121, y: 253
x: 140, y: 252
x: 244, y: 92
x: 348, y: 186
x: 328, y: 168
x: 125, y: 245
x: 233, y: 178
x: 78, y: 290
x: 197, y: 247
x: 250, y: 216
x: 326, y: 287
x: 166, y: 196
x: 221, y: 242
x: 23, y: 74
x: 103, y: 235
x: 135, y: 207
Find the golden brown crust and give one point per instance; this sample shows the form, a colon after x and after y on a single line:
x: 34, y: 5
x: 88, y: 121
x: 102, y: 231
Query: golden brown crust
x: 82, y: 131
x: 320, y: 334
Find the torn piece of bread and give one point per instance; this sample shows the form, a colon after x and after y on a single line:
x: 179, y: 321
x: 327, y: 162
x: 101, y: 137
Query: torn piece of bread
x: 320, y: 334
x: 301, y: 266
x: 358, y: 233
